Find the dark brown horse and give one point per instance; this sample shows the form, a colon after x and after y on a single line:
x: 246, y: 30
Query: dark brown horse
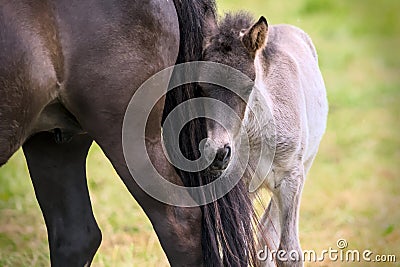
x: 68, y: 70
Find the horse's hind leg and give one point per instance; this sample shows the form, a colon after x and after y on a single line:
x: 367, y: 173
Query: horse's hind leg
x: 59, y: 178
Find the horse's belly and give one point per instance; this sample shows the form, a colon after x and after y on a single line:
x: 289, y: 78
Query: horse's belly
x: 27, y: 74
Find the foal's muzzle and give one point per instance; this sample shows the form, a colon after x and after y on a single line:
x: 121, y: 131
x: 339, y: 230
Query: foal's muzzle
x: 222, y: 158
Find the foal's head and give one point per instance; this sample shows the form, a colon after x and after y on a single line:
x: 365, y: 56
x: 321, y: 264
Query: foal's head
x: 236, y: 42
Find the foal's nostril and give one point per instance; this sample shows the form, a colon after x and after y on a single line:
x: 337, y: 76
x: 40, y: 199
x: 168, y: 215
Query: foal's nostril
x: 222, y: 158
x: 227, y: 153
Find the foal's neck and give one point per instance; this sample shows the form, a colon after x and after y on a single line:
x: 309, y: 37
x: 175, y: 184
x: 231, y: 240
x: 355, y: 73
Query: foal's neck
x: 260, y: 102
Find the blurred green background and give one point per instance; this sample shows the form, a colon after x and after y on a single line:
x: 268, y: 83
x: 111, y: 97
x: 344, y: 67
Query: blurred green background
x: 353, y: 190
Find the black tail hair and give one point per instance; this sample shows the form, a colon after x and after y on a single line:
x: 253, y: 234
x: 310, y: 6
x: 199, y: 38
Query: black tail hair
x: 227, y: 224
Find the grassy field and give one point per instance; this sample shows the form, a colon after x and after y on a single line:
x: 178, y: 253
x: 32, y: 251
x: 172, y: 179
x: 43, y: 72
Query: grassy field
x: 353, y: 190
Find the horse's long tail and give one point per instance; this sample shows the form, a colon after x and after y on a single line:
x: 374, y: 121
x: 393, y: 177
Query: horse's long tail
x: 227, y: 229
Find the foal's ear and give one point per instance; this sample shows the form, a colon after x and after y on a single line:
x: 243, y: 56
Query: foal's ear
x: 256, y: 37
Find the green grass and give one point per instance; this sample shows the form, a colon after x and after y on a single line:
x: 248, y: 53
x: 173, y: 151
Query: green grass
x: 353, y: 190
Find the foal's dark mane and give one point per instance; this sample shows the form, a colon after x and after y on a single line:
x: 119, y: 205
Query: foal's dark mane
x: 233, y: 23
x: 226, y: 36
x: 227, y: 235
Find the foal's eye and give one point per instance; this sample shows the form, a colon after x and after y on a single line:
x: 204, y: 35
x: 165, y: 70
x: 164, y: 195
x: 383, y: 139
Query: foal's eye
x: 242, y: 32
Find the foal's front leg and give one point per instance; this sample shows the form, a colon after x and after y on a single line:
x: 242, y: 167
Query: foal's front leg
x: 269, y: 234
x: 288, y: 193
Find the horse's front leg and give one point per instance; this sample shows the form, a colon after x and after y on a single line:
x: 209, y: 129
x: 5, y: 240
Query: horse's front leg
x: 59, y: 177
x: 178, y: 228
x: 288, y: 193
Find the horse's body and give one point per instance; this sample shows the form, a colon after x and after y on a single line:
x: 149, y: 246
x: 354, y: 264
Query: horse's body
x: 68, y: 70
x: 283, y: 62
x: 56, y: 52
